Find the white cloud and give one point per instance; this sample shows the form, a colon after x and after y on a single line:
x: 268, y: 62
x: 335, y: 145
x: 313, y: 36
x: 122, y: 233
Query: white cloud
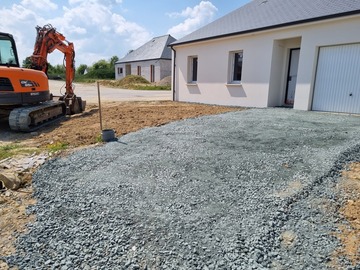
x: 195, y: 18
x: 21, y: 28
x: 95, y: 28
x: 40, y: 4
x: 103, y: 2
x: 136, y: 35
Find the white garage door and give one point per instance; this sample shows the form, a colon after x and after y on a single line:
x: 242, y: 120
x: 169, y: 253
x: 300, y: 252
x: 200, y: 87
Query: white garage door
x: 337, y: 84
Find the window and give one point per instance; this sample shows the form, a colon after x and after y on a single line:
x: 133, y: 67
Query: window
x: 236, y: 61
x: 152, y: 73
x: 193, y: 69
x: 7, y: 54
x: 120, y: 70
x: 139, y: 70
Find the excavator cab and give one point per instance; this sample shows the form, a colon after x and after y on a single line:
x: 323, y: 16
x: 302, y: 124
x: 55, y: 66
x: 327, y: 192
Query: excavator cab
x: 8, y: 54
x: 18, y: 86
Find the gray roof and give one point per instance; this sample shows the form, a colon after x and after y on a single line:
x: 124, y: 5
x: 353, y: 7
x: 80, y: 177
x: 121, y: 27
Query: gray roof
x: 157, y: 48
x: 266, y: 14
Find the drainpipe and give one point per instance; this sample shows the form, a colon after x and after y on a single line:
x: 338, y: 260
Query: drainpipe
x: 174, y: 65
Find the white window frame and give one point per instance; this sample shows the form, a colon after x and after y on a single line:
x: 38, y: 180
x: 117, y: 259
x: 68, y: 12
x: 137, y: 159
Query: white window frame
x: 191, y: 69
x: 232, y: 67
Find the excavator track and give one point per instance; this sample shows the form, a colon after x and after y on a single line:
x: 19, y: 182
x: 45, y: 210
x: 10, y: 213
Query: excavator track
x: 31, y: 118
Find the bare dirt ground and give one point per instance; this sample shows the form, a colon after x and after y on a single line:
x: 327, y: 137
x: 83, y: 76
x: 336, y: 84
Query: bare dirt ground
x: 84, y: 130
x: 349, y: 186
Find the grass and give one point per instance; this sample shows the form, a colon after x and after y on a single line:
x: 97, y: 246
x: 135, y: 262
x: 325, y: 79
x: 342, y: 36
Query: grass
x: 58, y: 146
x: 151, y: 87
x: 13, y: 149
x: 98, y: 138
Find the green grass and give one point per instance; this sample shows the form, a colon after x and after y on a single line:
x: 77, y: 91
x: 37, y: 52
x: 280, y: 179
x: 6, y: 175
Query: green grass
x: 98, y: 138
x: 151, y: 87
x: 58, y: 146
x: 13, y: 149
x: 85, y: 80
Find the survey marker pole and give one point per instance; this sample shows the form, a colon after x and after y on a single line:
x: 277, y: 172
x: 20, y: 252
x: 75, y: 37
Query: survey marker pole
x: 98, y: 88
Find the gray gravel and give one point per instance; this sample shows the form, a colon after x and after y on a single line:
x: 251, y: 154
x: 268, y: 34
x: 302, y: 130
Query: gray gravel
x: 241, y: 190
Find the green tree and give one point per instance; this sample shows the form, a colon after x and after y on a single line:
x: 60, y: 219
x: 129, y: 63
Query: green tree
x: 113, y: 60
x: 56, y: 70
x: 101, y: 64
x: 27, y: 62
x: 81, y: 69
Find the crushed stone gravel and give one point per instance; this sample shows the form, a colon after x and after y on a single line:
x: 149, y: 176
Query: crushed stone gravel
x: 242, y: 190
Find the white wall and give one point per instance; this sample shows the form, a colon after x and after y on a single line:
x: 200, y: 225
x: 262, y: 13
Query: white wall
x: 162, y: 69
x: 335, y: 32
x: 265, y: 64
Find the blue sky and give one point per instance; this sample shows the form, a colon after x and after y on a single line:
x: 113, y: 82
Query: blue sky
x: 101, y: 29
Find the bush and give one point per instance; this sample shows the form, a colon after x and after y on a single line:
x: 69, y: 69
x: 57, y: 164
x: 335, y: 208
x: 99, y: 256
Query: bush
x: 100, y: 74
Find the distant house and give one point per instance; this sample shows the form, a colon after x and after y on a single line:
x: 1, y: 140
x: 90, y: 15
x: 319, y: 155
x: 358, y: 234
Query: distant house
x: 299, y: 53
x: 152, y: 60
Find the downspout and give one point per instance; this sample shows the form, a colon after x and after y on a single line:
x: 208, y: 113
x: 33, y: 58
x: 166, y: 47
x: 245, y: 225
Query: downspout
x: 174, y: 66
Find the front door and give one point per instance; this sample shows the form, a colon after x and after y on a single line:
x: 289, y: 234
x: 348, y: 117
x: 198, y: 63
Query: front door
x: 292, y: 76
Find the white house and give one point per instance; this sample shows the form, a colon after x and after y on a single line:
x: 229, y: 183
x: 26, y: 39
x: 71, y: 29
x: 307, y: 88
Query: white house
x: 299, y: 53
x: 152, y: 60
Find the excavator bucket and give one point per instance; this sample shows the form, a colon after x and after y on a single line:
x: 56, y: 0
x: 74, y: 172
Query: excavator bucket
x: 74, y: 104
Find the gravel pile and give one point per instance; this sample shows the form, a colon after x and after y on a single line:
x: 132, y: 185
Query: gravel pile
x: 242, y: 190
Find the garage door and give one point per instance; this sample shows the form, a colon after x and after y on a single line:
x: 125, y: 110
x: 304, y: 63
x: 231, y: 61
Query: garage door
x: 337, y: 84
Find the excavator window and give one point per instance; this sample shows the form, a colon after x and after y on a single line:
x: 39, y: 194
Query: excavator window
x: 7, y: 54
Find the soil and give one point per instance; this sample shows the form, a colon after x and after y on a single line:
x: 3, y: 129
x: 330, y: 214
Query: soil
x: 349, y: 186
x: 84, y: 130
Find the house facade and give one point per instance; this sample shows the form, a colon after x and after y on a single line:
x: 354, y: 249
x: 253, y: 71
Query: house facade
x: 151, y: 61
x: 298, y: 53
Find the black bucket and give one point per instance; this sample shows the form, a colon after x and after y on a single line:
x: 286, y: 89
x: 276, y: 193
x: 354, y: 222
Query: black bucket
x: 108, y: 135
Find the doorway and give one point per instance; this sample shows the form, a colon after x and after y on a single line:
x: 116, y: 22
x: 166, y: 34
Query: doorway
x: 127, y: 70
x: 292, y: 76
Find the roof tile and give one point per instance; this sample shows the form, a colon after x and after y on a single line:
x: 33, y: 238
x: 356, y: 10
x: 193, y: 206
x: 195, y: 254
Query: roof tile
x: 156, y: 48
x: 263, y: 14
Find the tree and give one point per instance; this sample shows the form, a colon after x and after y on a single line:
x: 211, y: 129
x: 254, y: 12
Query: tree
x: 113, y: 60
x: 56, y: 70
x: 101, y: 64
x: 81, y: 69
x: 27, y: 62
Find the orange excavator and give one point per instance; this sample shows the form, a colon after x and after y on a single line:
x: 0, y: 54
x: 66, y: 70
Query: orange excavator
x: 24, y: 93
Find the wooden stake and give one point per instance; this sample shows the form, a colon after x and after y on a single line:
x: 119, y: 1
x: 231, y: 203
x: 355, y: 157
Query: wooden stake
x: 98, y: 87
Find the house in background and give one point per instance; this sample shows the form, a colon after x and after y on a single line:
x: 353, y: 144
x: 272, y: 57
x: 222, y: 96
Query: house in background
x: 299, y: 53
x: 152, y: 60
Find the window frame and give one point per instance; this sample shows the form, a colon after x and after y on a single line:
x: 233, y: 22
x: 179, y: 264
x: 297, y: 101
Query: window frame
x: 193, y: 69
x: 232, y: 67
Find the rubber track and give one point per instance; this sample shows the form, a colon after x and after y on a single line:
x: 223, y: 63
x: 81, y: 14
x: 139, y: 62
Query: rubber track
x: 19, y: 117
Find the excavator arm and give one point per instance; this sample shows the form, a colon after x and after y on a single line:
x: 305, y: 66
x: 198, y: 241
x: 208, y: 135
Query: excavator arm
x: 48, y: 40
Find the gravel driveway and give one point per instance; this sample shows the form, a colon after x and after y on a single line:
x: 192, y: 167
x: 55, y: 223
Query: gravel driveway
x: 242, y: 190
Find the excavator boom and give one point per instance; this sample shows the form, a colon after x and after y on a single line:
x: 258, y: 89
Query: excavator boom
x: 48, y: 40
